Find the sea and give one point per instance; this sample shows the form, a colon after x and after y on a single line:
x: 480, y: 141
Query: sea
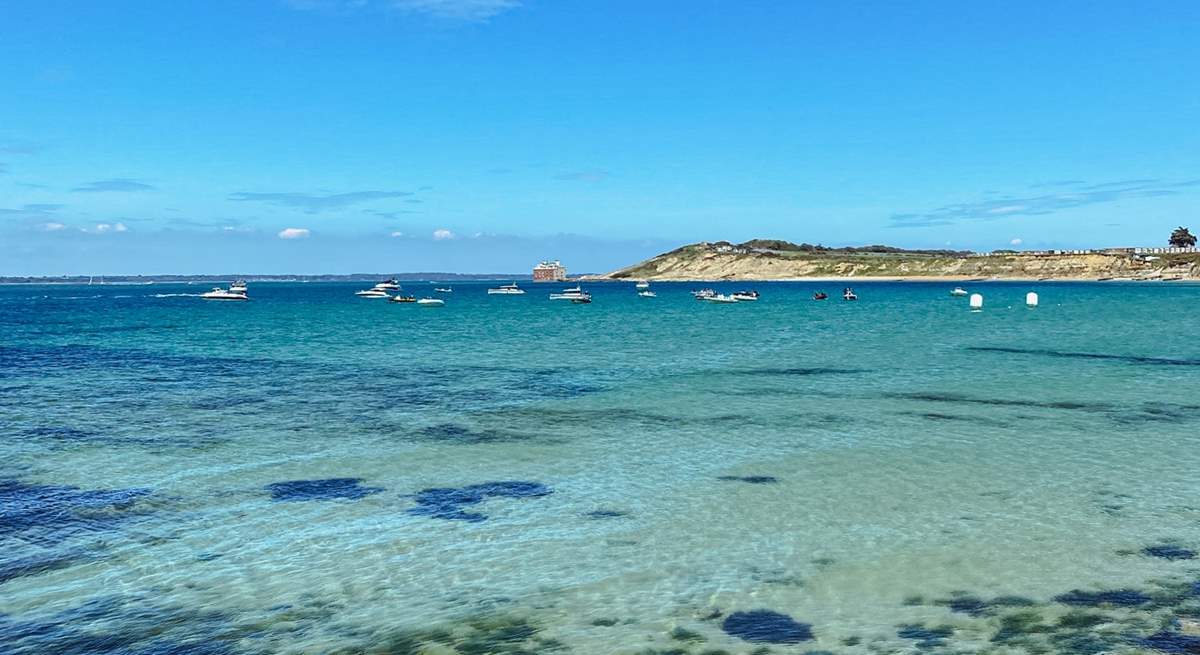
x: 314, y: 472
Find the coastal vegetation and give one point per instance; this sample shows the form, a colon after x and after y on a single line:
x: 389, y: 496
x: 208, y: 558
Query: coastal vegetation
x: 1182, y: 238
x: 769, y: 259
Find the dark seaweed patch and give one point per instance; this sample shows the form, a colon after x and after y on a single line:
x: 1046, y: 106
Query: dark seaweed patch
x: 448, y: 502
x: 26, y: 566
x: 749, y: 479
x: 453, y: 433
x: 330, y: 489
x: 766, y: 627
x: 925, y: 637
x: 1130, y: 359
x: 1169, y: 552
x: 48, y: 514
x: 999, y: 402
x: 1172, y: 642
x: 965, y: 603
x: 799, y: 371
x: 1113, y: 597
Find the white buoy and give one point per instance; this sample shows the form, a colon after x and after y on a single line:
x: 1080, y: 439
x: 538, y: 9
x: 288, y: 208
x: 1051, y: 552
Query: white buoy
x: 1031, y: 299
x: 976, y: 302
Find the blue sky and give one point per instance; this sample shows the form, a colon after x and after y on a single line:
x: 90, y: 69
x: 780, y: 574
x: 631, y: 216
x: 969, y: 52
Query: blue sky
x: 481, y: 135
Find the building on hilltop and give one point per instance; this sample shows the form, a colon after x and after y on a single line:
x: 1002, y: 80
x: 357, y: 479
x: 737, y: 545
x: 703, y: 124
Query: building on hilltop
x: 549, y: 271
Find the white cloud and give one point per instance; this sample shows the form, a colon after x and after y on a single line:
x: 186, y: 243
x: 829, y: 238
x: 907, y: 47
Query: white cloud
x: 294, y: 233
x: 53, y: 227
x: 397, y: 233
x: 120, y: 227
x: 1016, y: 242
x: 442, y: 234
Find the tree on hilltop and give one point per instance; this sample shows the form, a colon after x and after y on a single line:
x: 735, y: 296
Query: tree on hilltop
x: 1182, y: 238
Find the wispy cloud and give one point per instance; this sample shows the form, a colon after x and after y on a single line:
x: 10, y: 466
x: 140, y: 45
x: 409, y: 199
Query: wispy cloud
x: 313, y: 203
x: 594, y: 175
x: 392, y: 215
x: 103, y: 228
x: 442, y: 234
x: 465, y: 10
x: 53, y: 226
x: 294, y: 233
x: 1077, y: 194
x: 41, y: 211
x: 120, y: 184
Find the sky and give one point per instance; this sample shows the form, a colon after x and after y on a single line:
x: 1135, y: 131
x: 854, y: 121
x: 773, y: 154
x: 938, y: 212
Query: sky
x: 339, y: 136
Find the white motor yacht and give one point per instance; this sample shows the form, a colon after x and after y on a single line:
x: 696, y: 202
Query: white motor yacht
x: 224, y: 294
x: 443, y: 290
x: 574, y: 293
x: 506, y: 290
x: 746, y: 295
x: 372, y: 293
x: 647, y: 294
x: 431, y: 302
x: 720, y: 298
x: 642, y: 284
x: 703, y: 294
x: 239, y: 286
x: 389, y: 285
x: 958, y: 291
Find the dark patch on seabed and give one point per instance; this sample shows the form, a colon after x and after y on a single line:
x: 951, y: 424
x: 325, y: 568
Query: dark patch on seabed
x: 50, y: 514
x: 11, y: 569
x: 766, y: 627
x: 798, y: 371
x: 449, y: 502
x: 454, y: 433
x: 329, y: 489
x: 749, y: 479
x: 934, y: 397
x: 606, y: 514
x: 1169, y: 552
x: 1130, y: 359
x: 926, y: 637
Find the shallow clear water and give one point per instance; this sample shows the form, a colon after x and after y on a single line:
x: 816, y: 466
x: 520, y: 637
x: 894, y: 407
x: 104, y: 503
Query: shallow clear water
x: 878, y: 458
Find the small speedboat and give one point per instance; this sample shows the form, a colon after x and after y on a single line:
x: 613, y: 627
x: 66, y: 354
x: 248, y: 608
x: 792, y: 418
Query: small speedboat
x: 389, y: 285
x: 431, y: 302
x: 958, y: 291
x: 703, y: 294
x: 400, y: 298
x: 584, y: 298
x: 746, y: 295
x: 223, y: 294
x: 647, y: 294
x: 642, y: 284
x: 572, y: 294
x: 443, y: 290
x: 506, y: 290
x: 239, y: 286
x: 372, y: 293
x: 820, y: 295
x: 720, y: 298
x: 848, y: 294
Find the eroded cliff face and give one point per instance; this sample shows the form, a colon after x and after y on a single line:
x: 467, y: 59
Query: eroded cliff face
x: 709, y: 262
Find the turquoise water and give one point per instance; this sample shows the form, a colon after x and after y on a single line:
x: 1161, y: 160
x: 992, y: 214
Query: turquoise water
x: 628, y: 476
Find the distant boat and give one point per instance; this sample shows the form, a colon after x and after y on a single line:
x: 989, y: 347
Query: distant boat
x: 703, y: 294
x: 389, y: 285
x: 647, y: 294
x: 574, y: 293
x: 372, y: 293
x: 239, y: 286
x: 642, y: 284
x: 443, y: 290
x: 431, y: 302
x: 506, y: 290
x: 958, y: 291
x: 223, y: 294
x: 848, y: 294
x: 746, y: 295
x: 400, y: 298
x: 820, y: 295
x: 720, y: 298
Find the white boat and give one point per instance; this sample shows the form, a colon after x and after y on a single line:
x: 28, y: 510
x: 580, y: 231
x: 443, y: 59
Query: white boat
x: 431, y: 302
x: 647, y: 294
x: 443, y: 290
x: 506, y: 290
x: 372, y: 293
x: 746, y: 295
x: 848, y: 294
x: 958, y: 291
x: 574, y: 293
x: 703, y: 294
x: 389, y: 285
x: 239, y: 286
x: 223, y: 294
x: 720, y: 298
x: 642, y: 284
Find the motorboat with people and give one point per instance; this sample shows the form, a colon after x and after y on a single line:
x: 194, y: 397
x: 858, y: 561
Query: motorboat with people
x: 958, y: 291
x: 584, y: 298
x: 443, y: 290
x: 647, y: 294
x: 848, y: 294
x: 574, y: 293
x: 224, y: 294
x: 400, y: 298
x: 506, y: 290
x: 703, y: 294
x: 431, y: 302
x: 642, y: 284
x: 746, y: 295
x: 720, y: 298
x: 238, y: 286
x: 373, y: 292
x: 820, y: 295
x: 389, y: 285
